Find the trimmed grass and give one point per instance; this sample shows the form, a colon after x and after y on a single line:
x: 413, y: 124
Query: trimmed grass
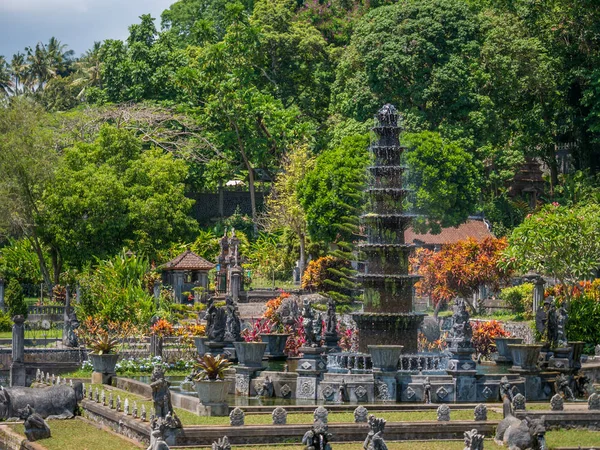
x: 190, y: 418
x: 79, y: 435
x: 563, y: 438
x: 53, y: 333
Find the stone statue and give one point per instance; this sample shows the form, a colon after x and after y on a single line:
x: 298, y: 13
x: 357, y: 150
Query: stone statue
x: 562, y: 387
x: 317, y: 438
x: 308, y: 319
x: 462, y: 332
x: 343, y: 391
x: 374, y: 440
x: 233, y: 326
x: 480, y: 413
x: 161, y: 394
x: 71, y: 327
x: 222, y: 444
x: 546, y: 323
x: 427, y: 391
x: 267, y: 389
x: 36, y: 427
x: 236, y: 417
x: 521, y: 434
x: 443, y: 413
x: 360, y: 414
x: 54, y: 402
x: 331, y: 321
x: 157, y: 441
x: 506, y: 389
x: 317, y: 329
x: 562, y: 319
x: 289, y: 311
x: 473, y: 440
x: 216, y: 320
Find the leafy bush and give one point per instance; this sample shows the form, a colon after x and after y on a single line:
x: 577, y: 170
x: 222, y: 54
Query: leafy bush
x: 584, y: 311
x: 5, y: 322
x: 324, y: 274
x: 15, y: 299
x: 114, y: 291
x: 162, y: 328
x: 484, y: 334
x: 519, y: 298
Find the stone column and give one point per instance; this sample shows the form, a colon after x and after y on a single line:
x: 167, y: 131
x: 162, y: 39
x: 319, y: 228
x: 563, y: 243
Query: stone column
x: 538, y: 294
x: 17, y: 368
x: 66, y: 319
x: 156, y: 290
x: 2, y: 305
x: 78, y: 292
x: 236, y: 279
x: 177, y: 285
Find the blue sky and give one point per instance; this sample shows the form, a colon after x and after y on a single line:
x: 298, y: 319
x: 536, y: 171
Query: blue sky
x: 77, y: 23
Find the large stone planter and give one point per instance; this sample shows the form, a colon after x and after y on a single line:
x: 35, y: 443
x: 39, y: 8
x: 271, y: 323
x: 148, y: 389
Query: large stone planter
x: 104, y: 363
x: 201, y: 345
x: 525, y: 357
x: 275, y: 344
x: 504, y: 353
x: 250, y: 354
x: 213, y: 395
x: 385, y: 357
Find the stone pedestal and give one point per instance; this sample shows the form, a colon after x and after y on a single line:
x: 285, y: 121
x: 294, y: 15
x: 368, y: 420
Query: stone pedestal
x: 103, y: 378
x: 236, y: 282
x: 200, y: 343
x: 332, y: 342
x: 215, y: 348
x: 243, y: 378
x: 156, y: 345
x: 17, y: 368
x: 284, y: 383
x: 310, y: 368
x: 357, y: 388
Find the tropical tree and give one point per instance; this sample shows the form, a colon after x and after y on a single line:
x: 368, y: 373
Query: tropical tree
x: 6, y: 83
x: 283, y: 207
x: 19, y: 69
x: 559, y: 242
x: 459, y: 269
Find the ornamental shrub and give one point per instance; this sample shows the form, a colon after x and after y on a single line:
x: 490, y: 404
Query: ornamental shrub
x: 484, y: 334
x: 519, y: 298
x: 321, y: 274
x: 15, y: 299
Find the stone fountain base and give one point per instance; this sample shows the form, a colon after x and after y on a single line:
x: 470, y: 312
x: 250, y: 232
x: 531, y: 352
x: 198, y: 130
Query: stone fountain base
x: 388, y: 329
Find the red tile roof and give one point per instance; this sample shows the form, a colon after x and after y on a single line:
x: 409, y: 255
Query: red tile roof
x: 188, y: 261
x: 475, y: 228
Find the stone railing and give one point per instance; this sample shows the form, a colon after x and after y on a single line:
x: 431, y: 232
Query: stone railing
x: 423, y: 362
x: 349, y: 362
x: 47, y: 310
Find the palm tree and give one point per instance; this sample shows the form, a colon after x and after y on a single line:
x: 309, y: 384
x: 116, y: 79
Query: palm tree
x: 60, y: 59
x: 40, y: 69
x: 90, y: 64
x: 5, y: 78
x: 19, y: 71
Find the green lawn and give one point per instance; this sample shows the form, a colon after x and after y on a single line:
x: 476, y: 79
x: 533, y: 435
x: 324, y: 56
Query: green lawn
x: 190, y: 418
x: 80, y: 435
x: 53, y: 333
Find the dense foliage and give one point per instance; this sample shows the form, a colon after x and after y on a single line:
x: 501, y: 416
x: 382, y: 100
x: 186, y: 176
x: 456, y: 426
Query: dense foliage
x: 104, y: 150
x: 458, y: 270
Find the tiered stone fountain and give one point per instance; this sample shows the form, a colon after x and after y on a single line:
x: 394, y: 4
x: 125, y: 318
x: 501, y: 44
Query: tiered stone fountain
x: 388, y: 316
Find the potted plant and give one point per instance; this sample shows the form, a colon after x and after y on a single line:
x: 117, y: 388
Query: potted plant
x: 210, y: 382
x: 102, y: 352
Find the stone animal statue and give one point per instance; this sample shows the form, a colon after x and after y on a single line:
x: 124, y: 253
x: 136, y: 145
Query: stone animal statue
x: 157, y: 441
x: 36, y: 428
x: 54, y: 402
x: 374, y: 440
x: 473, y: 440
x: 222, y: 444
x: 521, y: 434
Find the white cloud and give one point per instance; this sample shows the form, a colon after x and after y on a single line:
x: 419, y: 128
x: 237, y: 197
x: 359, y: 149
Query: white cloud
x: 37, y: 6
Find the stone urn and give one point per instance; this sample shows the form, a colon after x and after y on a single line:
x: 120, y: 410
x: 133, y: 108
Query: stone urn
x: 213, y: 397
x: 250, y: 354
x: 385, y: 357
x: 275, y: 344
x: 525, y: 357
x: 504, y: 353
x: 577, y: 351
x: 201, y: 345
x: 104, y: 363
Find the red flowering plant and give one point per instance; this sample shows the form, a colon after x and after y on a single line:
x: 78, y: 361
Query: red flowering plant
x: 162, y: 328
x: 297, y: 338
x: 484, y: 333
x: 259, y: 326
x: 425, y: 345
x: 348, y: 337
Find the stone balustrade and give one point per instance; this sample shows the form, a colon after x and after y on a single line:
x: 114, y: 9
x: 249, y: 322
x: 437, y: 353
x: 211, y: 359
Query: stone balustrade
x: 355, y: 362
